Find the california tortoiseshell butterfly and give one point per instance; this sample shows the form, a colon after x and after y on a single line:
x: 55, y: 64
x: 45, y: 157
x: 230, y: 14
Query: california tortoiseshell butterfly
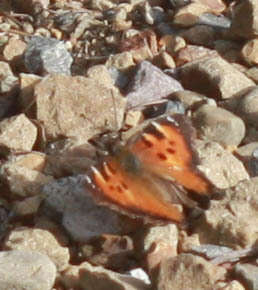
x: 152, y: 170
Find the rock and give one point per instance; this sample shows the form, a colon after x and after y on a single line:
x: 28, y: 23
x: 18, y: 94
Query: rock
x: 219, y: 165
x: 247, y: 107
x: 81, y: 216
x: 110, y: 251
x: 121, y: 61
x: 8, y: 80
x: 26, y: 270
x: 28, y: 206
x: 214, y: 77
x: 18, y: 133
x: 219, y: 125
x: 47, y: 55
x: 85, y: 98
x: 150, y: 85
x: 187, y: 272
x: 189, y: 15
x: 199, y: 35
x: 244, y: 20
x: 192, y: 53
x: 217, y: 6
x: 160, y: 243
x: 89, y: 277
x: 233, y: 285
x: 27, y: 85
x: 23, y: 174
x: 14, y: 49
x: 192, y: 100
x: 38, y: 240
x: 215, y: 21
x: 247, y: 273
x: 252, y: 73
x: 250, y: 52
x: 232, y: 221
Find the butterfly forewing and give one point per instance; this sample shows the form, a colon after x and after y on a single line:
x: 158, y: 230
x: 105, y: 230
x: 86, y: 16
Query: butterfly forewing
x: 133, y: 193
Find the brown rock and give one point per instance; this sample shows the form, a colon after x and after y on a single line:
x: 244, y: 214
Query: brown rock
x: 214, y: 77
x: 23, y: 177
x: 233, y: 285
x: 14, y: 49
x: 245, y: 21
x: 250, y: 52
x: 28, y: 206
x: 31, y: 6
x: 229, y: 50
x: 189, y: 15
x: 193, y: 53
x: 89, y: 277
x: 232, y: 221
x: 26, y: 270
x: 38, y: 240
x: 199, y: 35
x: 71, y: 106
x: 8, y: 80
x: 27, y: 85
x: 160, y: 243
x: 248, y: 273
x: 216, y: 6
x: 18, y: 133
x: 219, y: 125
x: 121, y: 61
x: 111, y: 251
x: 172, y: 43
x: 252, y: 73
x: 188, y: 272
x: 219, y: 165
x: 248, y: 107
x: 192, y: 99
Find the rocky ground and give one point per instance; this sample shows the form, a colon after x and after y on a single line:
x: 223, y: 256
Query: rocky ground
x: 73, y: 70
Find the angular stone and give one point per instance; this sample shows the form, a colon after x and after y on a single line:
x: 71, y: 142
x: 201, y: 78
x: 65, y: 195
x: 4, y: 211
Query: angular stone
x: 250, y: 52
x: 245, y: 21
x: 71, y: 106
x: 8, y: 80
x: 88, y: 277
x: 247, y: 107
x: 23, y: 174
x: 81, y: 216
x: 27, y: 85
x: 233, y: 220
x: 189, y: 272
x: 248, y: 273
x: 219, y: 125
x: 150, y: 85
x: 18, y: 133
x: 220, y: 166
x: 38, y: 240
x: 160, y: 243
x: 214, y: 77
x: 189, y: 15
x: 47, y: 55
x: 26, y: 270
x: 14, y: 49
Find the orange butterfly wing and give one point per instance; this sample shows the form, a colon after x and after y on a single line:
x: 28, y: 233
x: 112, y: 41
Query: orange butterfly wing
x: 132, y: 192
x: 164, y: 149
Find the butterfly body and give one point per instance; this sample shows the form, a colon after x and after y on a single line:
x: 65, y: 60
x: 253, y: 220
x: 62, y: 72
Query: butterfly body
x: 144, y: 176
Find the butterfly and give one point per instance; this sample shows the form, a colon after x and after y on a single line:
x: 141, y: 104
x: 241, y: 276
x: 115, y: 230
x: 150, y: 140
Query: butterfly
x: 153, y: 170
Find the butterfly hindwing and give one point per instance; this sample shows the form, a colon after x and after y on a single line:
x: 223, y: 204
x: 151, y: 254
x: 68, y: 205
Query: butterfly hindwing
x: 164, y: 148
